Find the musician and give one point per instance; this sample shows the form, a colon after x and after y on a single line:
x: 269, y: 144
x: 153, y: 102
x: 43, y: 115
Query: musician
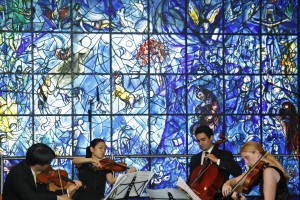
x: 90, y: 173
x: 222, y: 158
x: 21, y: 184
x: 273, y: 182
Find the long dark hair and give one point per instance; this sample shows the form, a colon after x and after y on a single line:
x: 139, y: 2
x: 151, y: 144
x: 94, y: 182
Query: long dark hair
x: 93, y: 143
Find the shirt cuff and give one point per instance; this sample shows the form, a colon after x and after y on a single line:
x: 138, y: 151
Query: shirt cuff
x: 218, y: 162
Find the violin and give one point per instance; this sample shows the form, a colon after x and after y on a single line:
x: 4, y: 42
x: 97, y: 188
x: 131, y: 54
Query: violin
x: 206, y: 179
x: 55, y: 179
x: 109, y: 164
x: 251, y: 178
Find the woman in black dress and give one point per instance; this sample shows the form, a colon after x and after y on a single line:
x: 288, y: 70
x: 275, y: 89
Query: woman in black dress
x: 273, y: 181
x: 92, y: 178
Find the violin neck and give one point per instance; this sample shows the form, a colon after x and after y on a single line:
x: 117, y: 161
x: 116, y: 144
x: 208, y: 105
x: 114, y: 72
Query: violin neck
x: 66, y: 179
x: 121, y: 165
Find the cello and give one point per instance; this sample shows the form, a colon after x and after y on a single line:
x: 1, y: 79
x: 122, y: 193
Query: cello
x: 206, y: 179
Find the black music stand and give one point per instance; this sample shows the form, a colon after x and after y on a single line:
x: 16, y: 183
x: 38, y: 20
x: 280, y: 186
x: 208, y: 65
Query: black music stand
x: 130, y: 185
x: 169, y: 193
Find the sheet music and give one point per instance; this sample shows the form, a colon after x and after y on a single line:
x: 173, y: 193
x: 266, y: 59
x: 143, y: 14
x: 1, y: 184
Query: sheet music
x: 120, y: 188
x: 119, y: 180
x: 163, y: 194
x: 181, y: 183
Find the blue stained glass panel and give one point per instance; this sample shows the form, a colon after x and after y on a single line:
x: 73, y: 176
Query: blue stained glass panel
x: 205, y: 16
x: 242, y: 54
x: 278, y: 90
x: 166, y: 172
x: 273, y: 135
x: 205, y: 54
x: 291, y: 165
x: 172, y: 139
x: 245, y: 99
x: 279, y: 17
x: 167, y: 16
x: 49, y: 15
x: 240, y: 129
x: 242, y: 16
x: 130, y: 135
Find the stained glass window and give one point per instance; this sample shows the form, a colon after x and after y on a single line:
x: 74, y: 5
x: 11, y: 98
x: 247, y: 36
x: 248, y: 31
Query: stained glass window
x: 142, y: 74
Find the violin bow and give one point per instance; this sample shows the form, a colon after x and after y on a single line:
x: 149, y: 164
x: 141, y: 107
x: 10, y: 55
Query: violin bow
x: 63, y: 178
x: 60, y: 179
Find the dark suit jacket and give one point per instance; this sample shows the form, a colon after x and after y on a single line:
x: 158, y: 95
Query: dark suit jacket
x: 20, y: 185
x: 227, y: 164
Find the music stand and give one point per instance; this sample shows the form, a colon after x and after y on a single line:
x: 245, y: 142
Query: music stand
x: 130, y: 185
x: 169, y: 193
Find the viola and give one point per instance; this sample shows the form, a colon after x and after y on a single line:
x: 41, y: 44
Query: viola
x: 109, y: 164
x: 206, y: 179
x: 55, y: 179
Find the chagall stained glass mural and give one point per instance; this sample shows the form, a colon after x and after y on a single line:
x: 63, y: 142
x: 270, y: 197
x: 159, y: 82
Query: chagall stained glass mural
x: 142, y: 74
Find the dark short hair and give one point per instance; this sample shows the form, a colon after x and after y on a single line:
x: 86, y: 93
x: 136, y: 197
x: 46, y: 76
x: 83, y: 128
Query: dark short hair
x: 204, y: 129
x: 39, y: 153
x: 93, y: 143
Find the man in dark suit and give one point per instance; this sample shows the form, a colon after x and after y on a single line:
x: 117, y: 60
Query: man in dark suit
x: 224, y: 161
x: 21, y: 184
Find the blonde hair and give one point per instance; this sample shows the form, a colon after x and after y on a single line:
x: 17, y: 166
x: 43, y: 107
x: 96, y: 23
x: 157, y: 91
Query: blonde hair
x: 252, y: 146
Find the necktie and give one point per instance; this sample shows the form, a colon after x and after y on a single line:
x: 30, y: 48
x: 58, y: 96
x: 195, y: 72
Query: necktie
x: 205, y: 153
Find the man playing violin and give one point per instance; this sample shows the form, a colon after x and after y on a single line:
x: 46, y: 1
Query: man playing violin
x: 92, y: 173
x: 272, y: 177
x: 221, y: 158
x: 21, y: 184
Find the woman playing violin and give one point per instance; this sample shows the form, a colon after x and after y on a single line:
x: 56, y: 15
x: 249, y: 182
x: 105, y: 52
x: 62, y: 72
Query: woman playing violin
x: 273, y: 179
x: 21, y: 182
x: 93, y: 173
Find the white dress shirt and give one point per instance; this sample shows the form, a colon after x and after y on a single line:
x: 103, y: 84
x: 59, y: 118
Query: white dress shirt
x: 209, y: 151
